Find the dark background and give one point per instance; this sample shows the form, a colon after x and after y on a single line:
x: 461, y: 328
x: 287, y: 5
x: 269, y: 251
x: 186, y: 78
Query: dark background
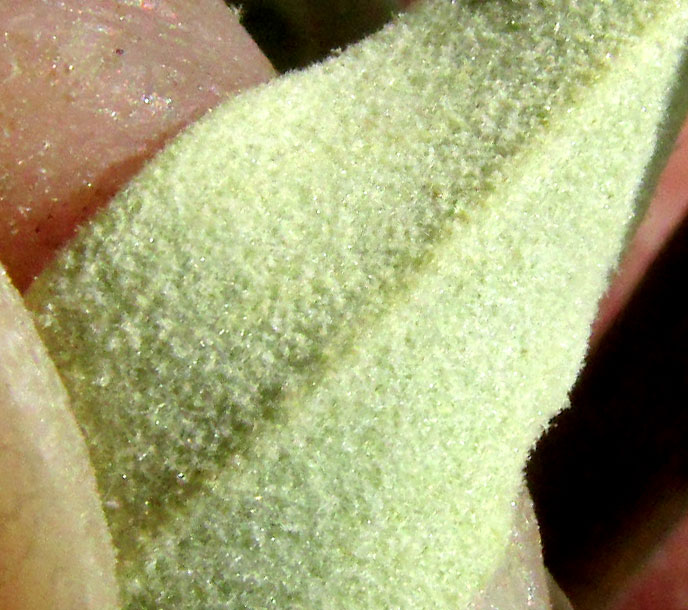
x: 295, y: 33
x: 610, y: 478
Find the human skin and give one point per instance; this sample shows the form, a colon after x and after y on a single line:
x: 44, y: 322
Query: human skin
x: 663, y: 583
x: 88, y: 93
x: 109, y: 97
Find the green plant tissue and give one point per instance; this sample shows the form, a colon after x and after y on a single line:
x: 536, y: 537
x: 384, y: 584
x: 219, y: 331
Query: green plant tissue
x: 311, y: 344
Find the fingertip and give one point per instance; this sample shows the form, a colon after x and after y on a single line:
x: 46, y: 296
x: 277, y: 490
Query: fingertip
x: 89, y: 94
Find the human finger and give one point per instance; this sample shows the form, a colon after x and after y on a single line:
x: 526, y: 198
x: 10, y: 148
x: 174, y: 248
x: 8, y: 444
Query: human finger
x: 88, y: 93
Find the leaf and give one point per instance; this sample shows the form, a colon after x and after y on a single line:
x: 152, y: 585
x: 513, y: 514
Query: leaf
x: 311, y: 345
